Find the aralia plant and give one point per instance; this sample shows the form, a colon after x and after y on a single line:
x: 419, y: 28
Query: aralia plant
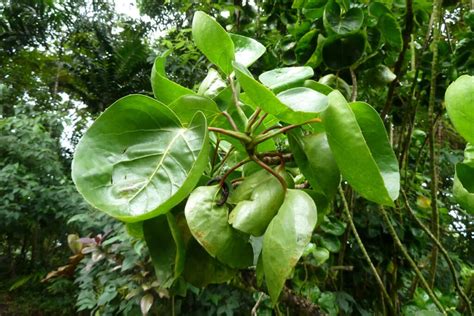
x: 209, y: 175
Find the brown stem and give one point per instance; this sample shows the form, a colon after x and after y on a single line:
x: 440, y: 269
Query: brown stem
x: 252, y: 119
x: 228, y: 172
x: 354, y: 85
x: 264, y: 136
x: 238, y: 135
x: 260, y: 121
x: 271, y: 171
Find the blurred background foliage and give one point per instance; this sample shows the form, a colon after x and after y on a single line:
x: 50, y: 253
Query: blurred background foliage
x: 64, y: 61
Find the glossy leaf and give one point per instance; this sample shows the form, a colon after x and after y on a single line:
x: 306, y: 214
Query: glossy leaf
x: 280, y: 79
x: 315, y: 160
x: 359, y: 143
x: 257, y: 202
x: 342, y: 52
x: 463, y: 189
x: 321, y: 255
x: 286, y: 238
x: 186, y: 106
x: 208, y: 222
x: 317, y: 86
x: 264, y: 98
x: 460, y: 106
x: 337, y: 83
x: 212, y: 85
x: 342, y: 23
x: 304, y: 100
x: 213, y: 41
x: 136, y: 161
x: 166, y: 248
x: 165, y: 90
x: 247, y: 50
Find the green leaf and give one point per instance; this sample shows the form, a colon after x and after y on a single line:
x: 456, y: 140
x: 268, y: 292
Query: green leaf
x: 315, y: 160
x: 337, y: 83
x: 317, y: 86
x: 463, y: 189
x: 135, y: 229
x: 460, y: 106
x: 166, y: 248
x: 286, y: 238
x: 342, y: 52
x: 213, y: 41
x: 186, y: 106
x: 212, y: 85
x: 257, y: 201
x: 264, y: 98
x: 201, y: 269
x: 333, y: 226
x: 136, y: 161
x: 304, y: 100
x: 321, y: 255
x: 165, y: 90
x: 208, y: 223
x: 342, y: 23
x: 247, y: 50
x: 360, y: 146
x: 390, y: 30
x: 280, y: 79
x: 330, y: 242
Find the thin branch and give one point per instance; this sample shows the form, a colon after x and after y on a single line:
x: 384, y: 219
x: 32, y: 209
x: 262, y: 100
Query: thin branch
x: 354, y: 85
x: 445, y: 254
x: 252, y: 119
x: 260, y: 121
x: 231, y: 120
x: 228, y: 172
x: 364, y: 251
x: 238, y: 135
x: 271, y: 171
x: 410, y: 260
x: 264, y: 136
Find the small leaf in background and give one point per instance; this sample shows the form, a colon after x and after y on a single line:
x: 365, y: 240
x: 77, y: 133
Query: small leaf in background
x: 321, y: 255
x: 342, y: 23
x: 136, y: 161
x: 280, y: 79
x: 337, y: 83
x: 135, y: 229
x: 315, y: 160
x: 264, y: 98
x: 342, y: 52
x: 330, y: 242
x: 146, y: 303
x: 423, y: 202
x: 360, y: 146
x: 333, y: 226
x: 213, y: 41
x: 391, y: 31
x: 460, y: 106
x: 286, y: 238
x: 208, y: 222
x: 165, y: 90
x: 166, y: 247
x: 247, y: 50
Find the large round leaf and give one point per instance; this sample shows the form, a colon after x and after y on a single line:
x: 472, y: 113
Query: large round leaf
x: 264, y: 98
x: 257, y: 201
x: 208, y: 222
x: 315, y: 160
x: 280, y: 79
x: 286, y: 238
x: 136, y: 161
x: 360, y: 146
x: 166, y: 247
x: 213, y: 41
x: 460, y: 106
x: 342, y: 52
x: 247, y: 50
x: 165, y: 90
x: 342, y: 23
